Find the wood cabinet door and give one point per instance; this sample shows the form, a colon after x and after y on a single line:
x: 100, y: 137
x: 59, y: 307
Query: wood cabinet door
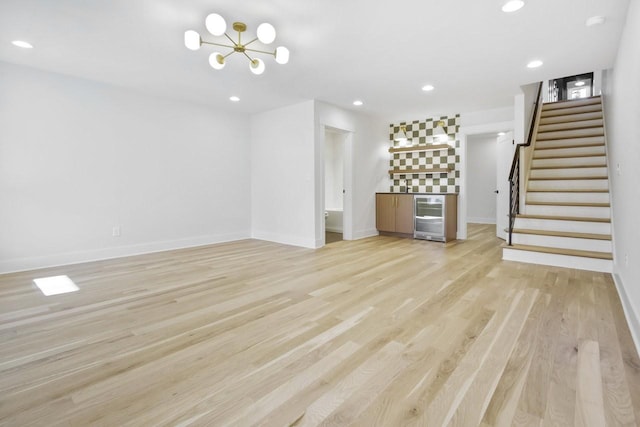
x: 386, y: 212
x: 404, y: 214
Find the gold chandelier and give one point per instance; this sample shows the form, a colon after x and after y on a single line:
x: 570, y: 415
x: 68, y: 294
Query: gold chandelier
x: 217, y: 26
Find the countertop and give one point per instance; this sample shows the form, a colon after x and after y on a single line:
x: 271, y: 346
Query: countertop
x: 411, y: 193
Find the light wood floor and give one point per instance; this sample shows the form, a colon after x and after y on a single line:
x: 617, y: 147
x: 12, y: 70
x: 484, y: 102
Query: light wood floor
x: 376, y: 332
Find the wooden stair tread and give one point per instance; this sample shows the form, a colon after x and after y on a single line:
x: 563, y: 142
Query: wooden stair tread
x: 563, y: 234
x: 569, y: 156
x: 572, y: 109
x: 568, y: 190
x: 559, y: 203
x: 564, y: 147
x: 561, y: 251
x: 563, y: 178
x: 593, y: 115
x: 601, y: 165
x: 563, y: 218
x: 568, y: 134
x: 567, y: 103
x: 543, y: 131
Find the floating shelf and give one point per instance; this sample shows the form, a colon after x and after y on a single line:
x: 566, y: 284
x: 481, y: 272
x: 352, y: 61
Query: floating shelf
x: 428, y: 147
x: 426, y: 171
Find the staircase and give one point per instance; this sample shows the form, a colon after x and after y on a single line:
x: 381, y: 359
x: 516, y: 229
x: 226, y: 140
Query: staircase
x: 566, y: 220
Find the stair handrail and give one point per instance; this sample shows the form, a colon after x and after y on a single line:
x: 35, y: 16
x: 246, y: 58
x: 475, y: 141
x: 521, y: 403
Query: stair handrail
x: 514, y: 174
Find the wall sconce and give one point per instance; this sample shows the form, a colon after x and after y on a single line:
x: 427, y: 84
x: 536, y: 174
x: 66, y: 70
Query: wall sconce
x: 439, y: 133
x: 402, y: 138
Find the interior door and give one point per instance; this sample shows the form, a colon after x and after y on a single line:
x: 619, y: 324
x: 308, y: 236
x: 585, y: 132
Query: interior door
x: 504, y: 156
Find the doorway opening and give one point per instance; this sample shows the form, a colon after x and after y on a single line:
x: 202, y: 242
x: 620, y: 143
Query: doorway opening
x: 571, y: 87
x: 482, y: 151
x: 334, y: 184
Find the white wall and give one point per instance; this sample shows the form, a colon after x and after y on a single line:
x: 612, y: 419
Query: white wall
x: 282, y: 175
x: 621, y: 89
x: 78, y: 157
x: 481, y: 179
x: 334, y: 171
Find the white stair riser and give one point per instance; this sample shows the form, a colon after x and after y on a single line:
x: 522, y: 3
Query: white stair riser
x: 569, y: 142
x: 572, y: 118
x: 570, y: 125
x: 569, y: 152
x: 571, y: 161
x: 560, y: 184
x: 562, y: 242
x: 568, y: 197
x: 559, y: 225
x: 574, y: 133
x: 579, y: 211
x: 591, y: 264
x: 565, y: 173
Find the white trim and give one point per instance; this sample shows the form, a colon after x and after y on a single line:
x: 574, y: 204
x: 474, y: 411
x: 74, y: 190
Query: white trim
x: 68, y: 258
x: 633, y: 319
x: 363, y: 234
x: 463, y: 132
x: 285, y: 239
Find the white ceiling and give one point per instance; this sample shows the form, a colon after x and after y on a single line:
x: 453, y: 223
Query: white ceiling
x: 381, y: 52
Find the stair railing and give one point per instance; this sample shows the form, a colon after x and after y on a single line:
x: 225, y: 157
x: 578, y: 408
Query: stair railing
x: 514, y: 175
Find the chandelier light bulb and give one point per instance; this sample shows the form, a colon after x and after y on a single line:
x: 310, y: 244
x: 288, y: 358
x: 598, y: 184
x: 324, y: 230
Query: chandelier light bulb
x: 266, y: 33
x: 282, y: 55
x: 215, y: 24
x: 192, y: 40
x: 257, y: 66
x: 216, y: 60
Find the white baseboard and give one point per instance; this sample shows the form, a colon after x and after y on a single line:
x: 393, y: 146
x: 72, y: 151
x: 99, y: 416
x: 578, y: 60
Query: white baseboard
x: 333, y: 229
x: 363, y: 234
x: 476, y: 220
x: 633, y: 320
x: 285, y: 239
x: 55, y: 260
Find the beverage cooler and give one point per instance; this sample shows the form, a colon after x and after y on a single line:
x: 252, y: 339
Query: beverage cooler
x: 434, y: 217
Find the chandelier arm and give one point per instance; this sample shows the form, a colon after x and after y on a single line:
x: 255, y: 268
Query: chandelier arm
x: 262, y: 51
x: 229, y: 54
x: 218, y: 44
x: 248, y: 43
x: 245, y: 54
x: 233, y: 41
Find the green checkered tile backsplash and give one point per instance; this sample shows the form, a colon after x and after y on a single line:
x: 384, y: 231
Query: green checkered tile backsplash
x: 421, y: 133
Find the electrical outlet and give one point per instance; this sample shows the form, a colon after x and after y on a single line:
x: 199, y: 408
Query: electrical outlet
x: 115, y: 231
x: 618, y: 169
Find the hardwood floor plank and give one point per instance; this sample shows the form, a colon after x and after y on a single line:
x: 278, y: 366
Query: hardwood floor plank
x: 589, y: 401
x: 382, y: 331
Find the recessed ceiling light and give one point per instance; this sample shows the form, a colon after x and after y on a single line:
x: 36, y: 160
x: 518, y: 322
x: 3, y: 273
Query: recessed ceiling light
x: 534, y: 64
x: 595, y: 20
x: 22, y: 44
x: 55, y: 285
x: 512, y: 6
x: 580, y: 83
x: 357, y: 103
x: 234, y: 99
x: 501, y: 134
x: 428, y: 88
